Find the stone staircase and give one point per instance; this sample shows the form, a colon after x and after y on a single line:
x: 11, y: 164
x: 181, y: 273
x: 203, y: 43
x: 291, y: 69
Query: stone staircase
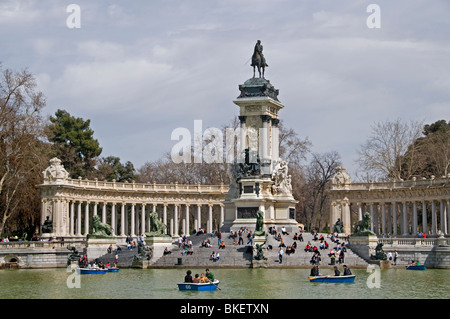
x: 237, y: 256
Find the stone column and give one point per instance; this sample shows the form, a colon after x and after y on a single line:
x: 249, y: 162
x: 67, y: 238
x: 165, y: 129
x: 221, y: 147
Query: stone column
x: 433, y: 218
x: 448, y: 216
x: 72, y: 218
x: 122, y: 220
x: 263, y: 137
x: 424, y: 217
x: 113, y: 219
x: 275, y: 140
x: 165, y: 216
x: 175, y: 220
x: 199, y: 216
x: 222, y: 215
x: 143, y: 218
x: 95, y: 209
x: 394, y: 218
x: 242, y: 140
x: 405, y: 219
x: 183, y: 221
x: 79, y: 219
x: 371, y: 217
x: 86, y: 219
x: 414, y: 218
x: 383, y: 218
x: 210, y: 230
x: 442, y: 216
x: 104, y: 213
x: 389, y: 220
x: 133, y: 221
x: 360, y: 214
x: 187, y: 232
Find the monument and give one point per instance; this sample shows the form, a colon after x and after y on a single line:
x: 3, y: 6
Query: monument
x: 259, y: 177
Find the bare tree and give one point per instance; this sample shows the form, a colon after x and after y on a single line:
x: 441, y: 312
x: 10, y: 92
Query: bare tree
x: 317, y: 177
x: 20, y: 148
x: 382, y: 155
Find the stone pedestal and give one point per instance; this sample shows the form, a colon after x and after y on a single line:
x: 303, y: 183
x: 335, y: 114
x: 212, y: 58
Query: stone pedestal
x: 259, y: 240
x: 97, y: 247
x: 383, y: 264
x: 158, y: 244
x: 364, y: 246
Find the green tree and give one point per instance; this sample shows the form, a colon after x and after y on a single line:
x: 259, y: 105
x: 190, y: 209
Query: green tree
x: 73, y: 143
x: 110, y: 168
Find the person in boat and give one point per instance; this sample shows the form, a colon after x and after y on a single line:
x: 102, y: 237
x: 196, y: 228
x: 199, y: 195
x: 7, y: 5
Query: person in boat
x: 336, y: 271
x: 315, y: 271
x: 188, y: 277
x: 196, y: 279
x: 347, y: 271
x: 203, y: 279
x: 209, y: 274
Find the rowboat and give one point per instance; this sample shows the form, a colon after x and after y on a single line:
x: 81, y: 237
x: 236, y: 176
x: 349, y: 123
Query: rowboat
x: 416, y: 267
x: 112, y: 269
x: 91, y: 271
x: 350, y: 278
x: 207, y: 286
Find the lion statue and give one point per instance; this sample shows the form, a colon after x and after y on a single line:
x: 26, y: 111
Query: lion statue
x: 100, y: 230
x: 362, y: 227
x: 157, y: 228
x: 259, y: 229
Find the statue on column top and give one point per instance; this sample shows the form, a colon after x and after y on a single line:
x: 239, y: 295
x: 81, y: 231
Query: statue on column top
x: 258, y: 59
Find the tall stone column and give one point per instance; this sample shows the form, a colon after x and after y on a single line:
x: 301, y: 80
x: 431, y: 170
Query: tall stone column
x: 104, y: 212
x: 394, y: 218
x: 122, y: 219
x: 448, y: 217
x: 95, y: 209
x: 143, y: 218
x: 405, y: 219
x: 372, y: 217
x: 360, y: 214
x: 210, y: 230
x: 165, y: 217
x: 79, y: 219
x: 199, y: 216
x: 133, y: 220
x: 72, y: 218
x: 424, y: 217
x: 433, y: 218
x: 86, y: 219
x: 442, y: 216
x: 414, y: 218
x: 242, y: 140
x: 187, y: 232
x: 275, y: 140
x: 383, y: 218
x: 175, y: 220
x: 222, y: 215
x: 113, y: 219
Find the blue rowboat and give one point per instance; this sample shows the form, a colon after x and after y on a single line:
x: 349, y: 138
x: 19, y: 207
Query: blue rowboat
x: 350, y: 278
x: 91, y: 271
x: 112, y: 269
x: 416, y: 267
x: 208, y: 286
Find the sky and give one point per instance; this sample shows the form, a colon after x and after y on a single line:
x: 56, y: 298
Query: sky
x: 140, y: 69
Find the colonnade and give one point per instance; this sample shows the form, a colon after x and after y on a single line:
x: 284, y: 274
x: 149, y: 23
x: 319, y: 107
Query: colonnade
x: 402, y: 217
x: 132, y: 218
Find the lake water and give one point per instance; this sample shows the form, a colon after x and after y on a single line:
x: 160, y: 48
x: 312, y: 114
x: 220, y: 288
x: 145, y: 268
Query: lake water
x: 234, y: 284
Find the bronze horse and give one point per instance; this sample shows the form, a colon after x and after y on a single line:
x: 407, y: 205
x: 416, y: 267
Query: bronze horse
x: 258, y: 60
